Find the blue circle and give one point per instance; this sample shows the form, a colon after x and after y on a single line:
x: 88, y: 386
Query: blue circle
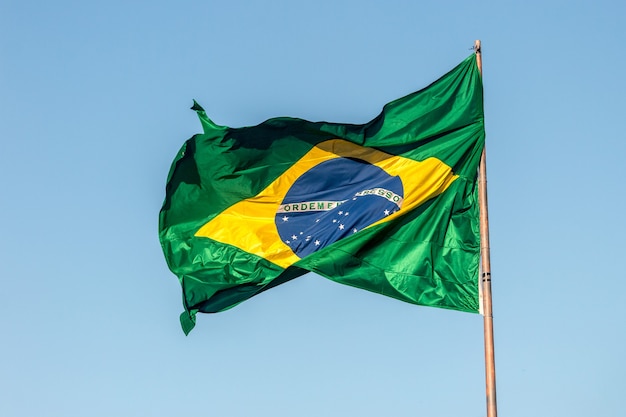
x: 333, y: 200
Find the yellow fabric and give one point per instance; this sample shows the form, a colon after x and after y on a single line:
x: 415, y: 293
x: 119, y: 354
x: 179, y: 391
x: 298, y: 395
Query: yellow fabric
x: 249, y: 224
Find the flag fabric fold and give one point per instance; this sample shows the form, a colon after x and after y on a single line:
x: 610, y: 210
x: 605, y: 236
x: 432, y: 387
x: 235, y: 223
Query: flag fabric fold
x: 389, y: 206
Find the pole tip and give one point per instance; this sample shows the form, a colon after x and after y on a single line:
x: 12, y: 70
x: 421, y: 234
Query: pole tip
x: 477, y: 46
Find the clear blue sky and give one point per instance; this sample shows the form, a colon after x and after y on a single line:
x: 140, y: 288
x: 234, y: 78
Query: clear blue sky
x: 94, y: 104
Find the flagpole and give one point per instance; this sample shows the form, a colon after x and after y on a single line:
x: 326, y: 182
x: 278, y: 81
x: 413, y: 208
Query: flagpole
x: 490, y: 364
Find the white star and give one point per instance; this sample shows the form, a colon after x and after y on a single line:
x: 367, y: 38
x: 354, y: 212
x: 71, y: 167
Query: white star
x: 347, y: 212
x: 287, y: 242
x: 317, y: 221
x: 294, y: 237
x: 354, y: 230
x: 334, y: 221
x: 317, y: 243
x: 340, y: 213
x: 341, y: 227
x: 285, y: 218
x: 386, y: 212
x: 301, y: 233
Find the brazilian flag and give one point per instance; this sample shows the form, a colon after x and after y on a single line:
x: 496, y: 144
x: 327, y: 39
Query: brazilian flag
x: 389, y: 206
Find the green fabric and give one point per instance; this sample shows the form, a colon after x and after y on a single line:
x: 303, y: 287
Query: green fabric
x: 427, y: 256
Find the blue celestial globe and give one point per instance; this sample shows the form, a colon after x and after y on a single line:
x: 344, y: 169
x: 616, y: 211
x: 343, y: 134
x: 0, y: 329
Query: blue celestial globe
x: 333, y: 200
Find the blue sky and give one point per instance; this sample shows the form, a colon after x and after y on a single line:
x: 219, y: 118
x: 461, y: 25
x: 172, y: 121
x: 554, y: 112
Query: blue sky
x: 94, y: 105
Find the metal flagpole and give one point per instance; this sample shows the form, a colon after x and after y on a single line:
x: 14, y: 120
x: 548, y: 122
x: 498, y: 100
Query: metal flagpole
x: 490, y: 364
